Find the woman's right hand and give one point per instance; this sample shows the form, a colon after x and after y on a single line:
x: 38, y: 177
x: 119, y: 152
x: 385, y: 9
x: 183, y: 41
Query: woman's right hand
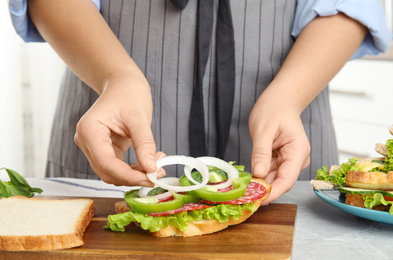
x: 120, y: 118
x: 122, y: 115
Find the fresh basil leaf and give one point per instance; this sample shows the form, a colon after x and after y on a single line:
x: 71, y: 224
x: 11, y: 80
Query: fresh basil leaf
x: 156, y: 191
x: 16, y: 186
x: 197, y: 176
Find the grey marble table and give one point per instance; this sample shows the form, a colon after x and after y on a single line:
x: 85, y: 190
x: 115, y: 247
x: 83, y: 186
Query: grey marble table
x: 325, y: 232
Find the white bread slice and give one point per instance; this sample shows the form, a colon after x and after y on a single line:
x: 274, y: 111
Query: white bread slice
x: 42, y: 224
x: 370, y: 180
x: 201, y: 227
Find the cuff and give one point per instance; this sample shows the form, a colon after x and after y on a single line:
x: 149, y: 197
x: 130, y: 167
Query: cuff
x: 23, y: 25
x: 368, y: 12
x: 22, y: 22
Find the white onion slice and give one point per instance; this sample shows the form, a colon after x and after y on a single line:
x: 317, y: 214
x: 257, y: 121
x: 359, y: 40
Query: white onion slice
x: 231, y: 171
x: 185, y: 160
x: 143, y: 191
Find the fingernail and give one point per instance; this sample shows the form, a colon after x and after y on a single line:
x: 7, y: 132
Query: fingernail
x: 147, y: 184
x: 162, y: 155
x: 259, y: 169
x: 161, y: 173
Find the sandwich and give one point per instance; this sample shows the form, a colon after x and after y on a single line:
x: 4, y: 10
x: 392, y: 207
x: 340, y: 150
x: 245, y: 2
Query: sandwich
x: 370, y: 185
x: 211, y: 198
x: 365, y: 182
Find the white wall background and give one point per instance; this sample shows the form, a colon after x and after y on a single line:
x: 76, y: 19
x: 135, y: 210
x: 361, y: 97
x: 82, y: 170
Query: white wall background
x: 10, y: 93
x: 30, y: 76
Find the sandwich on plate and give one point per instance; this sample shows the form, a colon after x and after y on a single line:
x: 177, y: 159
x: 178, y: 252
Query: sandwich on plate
x: 365, y: 182
x: 218, y: 194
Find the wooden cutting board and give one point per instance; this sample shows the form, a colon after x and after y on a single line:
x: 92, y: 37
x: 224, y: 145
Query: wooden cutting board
x: 267, y: 234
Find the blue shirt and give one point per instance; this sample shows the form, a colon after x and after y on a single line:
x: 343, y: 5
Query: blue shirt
x: 368, y: 12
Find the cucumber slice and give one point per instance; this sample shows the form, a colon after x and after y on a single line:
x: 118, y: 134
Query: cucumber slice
x: 216, y: 176
x: 358, y: 191
x: 378, y: 161
x: 350, y: 190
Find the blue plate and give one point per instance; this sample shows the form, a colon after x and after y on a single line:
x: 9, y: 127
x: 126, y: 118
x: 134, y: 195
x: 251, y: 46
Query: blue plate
x: 334, y: 198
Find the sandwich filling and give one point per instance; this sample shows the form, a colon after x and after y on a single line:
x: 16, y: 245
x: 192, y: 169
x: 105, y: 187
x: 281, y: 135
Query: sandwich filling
x: 206, y: 203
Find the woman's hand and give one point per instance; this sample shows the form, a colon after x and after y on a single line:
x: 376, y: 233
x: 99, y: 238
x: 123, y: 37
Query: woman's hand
x: 122, y: 115
x: 280, y: 146
x: 119, y: 119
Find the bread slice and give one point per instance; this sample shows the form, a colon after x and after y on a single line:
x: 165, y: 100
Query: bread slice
x: 42, y: 224
x: 322, y: 185
x: 370, y: 180
x: 357, y: 201
x: 201, y: 227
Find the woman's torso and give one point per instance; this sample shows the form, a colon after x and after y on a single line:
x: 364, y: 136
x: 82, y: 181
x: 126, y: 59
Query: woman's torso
x: 161, y: 40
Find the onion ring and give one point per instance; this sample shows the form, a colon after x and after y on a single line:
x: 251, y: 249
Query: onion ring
x: 188, y: 162
x: 231, y: 171
x: 143, y: 191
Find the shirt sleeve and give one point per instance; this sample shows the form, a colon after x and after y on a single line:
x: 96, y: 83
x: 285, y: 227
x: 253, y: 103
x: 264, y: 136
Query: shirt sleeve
x: 368, y: 12
x: 22, y: 22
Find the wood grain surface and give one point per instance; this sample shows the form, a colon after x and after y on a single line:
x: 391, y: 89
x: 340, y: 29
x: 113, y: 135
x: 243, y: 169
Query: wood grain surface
x: 267, y: 234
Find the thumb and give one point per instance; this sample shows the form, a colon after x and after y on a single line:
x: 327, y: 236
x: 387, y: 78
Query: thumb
x: 261, y: 155
x: 144, y: 146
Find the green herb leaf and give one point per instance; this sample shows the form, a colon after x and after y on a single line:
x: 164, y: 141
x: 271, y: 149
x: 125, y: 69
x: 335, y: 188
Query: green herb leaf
x: 156, y: 191
x: 339, y: 176
x: 377, y: 199
x: 238, y: 167
x: 389, y: 157
x: 16, y: 186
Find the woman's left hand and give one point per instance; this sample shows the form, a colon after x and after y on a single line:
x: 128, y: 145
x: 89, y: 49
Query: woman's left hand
x: 280, y: 146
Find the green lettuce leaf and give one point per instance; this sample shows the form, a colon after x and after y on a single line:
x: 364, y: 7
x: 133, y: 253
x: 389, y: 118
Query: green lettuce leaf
x: 220, y: 212
x: 389, y: 157
x: 377, y: 199
x: 238, y: 167
x: 16, y: 186
x: 339, y: 176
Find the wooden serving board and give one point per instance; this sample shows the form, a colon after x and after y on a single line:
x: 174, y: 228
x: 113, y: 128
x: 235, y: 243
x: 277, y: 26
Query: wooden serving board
x: 267, y: 234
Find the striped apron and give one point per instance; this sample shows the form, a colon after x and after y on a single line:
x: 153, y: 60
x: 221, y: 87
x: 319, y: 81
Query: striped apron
x: 161, y: 40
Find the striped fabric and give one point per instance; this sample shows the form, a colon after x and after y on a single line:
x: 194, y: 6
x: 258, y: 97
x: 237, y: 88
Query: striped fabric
x: 161, y: 40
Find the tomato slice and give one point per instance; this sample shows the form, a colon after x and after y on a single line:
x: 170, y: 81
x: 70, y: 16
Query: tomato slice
x: 387, y: 198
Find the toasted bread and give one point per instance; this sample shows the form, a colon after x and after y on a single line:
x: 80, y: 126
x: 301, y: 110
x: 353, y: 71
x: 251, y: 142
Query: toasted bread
x: 357, y: 201
x: 370, y: 180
